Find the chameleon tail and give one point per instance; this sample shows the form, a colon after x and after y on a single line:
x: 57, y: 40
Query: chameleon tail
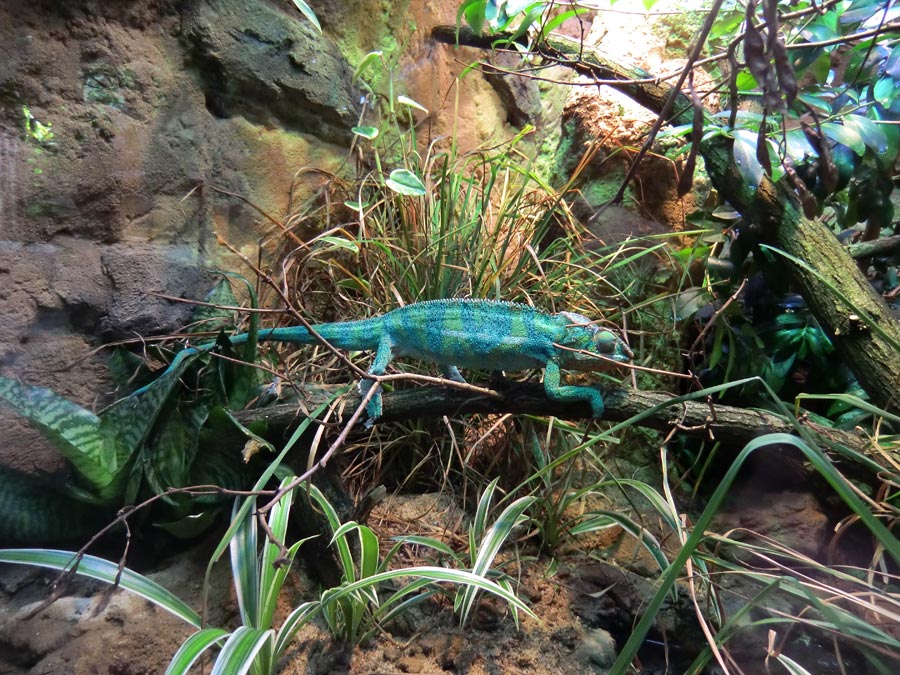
x: 350, y: 335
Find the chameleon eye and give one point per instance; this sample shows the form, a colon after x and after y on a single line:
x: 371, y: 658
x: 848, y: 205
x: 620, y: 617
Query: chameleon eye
x: 605, y: 342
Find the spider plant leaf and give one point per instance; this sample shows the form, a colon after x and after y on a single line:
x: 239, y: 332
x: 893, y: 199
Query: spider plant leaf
x: 243, y: 551
x: 294, y: 621
x: 192, y: 648
x: 103, y: 570
x: 242, y: 649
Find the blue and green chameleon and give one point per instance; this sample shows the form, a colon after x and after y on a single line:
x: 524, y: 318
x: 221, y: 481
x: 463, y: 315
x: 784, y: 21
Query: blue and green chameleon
x: 480, y: 334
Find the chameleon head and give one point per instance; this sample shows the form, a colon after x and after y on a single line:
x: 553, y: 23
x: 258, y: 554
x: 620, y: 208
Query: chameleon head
x: 585, y: 341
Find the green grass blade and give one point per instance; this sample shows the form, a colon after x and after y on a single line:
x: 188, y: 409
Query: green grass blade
x: 104, y: 570
x: 600, y: 519
x: 260, y: 484
x: 819, y: 461
x: 418, y: 540
x: 339, y: 539
x: 489, y: 546
x: 272, y: 576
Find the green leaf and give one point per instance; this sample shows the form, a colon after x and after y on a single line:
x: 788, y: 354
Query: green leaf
x: 341, y: 242
x: 474, y: 11
x: 366, y: 61
x: 306, y: 11
x: 885, y: 91
x: 245, y: 575
x: 745, y: 158
x: 892, y: 136
x: 369, y: 133
x: 192, y: 648
x: 103, y: 570
x: 405, y: 100
x: 73, y: 431
x: 406, y: 183
x: 212, y: 316
x: 845, y: 136
x: 240, y: 651
x: 745, y: 81
x: 561, y: 18
x: 870, y: 133
x: 430, y: 542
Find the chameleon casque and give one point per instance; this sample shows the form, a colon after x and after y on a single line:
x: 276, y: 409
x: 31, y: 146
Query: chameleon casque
x: 482, y: 334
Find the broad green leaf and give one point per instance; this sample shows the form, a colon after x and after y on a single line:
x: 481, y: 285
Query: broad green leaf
x: 406, y: 183
x: 212, y: 316
x: 845, y: 136
x: 798, y: 146
x: 103, y: 570
x: 561, y: 18
x: 885, y: 91
x: 474, y: 11
x: 892, y: 137
x: 73, y: 431
x: 366, y: 61
x: 745, y: 81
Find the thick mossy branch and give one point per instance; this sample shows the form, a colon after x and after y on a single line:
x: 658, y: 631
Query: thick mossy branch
x: 864, y: 331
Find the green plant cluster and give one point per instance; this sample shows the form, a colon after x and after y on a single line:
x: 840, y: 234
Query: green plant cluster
x: 431, y: 222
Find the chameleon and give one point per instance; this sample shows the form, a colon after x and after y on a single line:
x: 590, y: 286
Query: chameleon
x: 481, y: 334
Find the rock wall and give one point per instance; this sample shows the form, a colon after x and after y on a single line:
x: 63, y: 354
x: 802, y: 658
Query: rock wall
x: 133, y: 133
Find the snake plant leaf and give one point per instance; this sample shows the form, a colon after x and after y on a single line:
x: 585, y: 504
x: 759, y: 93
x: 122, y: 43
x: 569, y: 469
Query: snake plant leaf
x: 214, y: 315
x: 99, y: 447
x: 73, y: 431
x: 168, y: 455
x: 25, y: 501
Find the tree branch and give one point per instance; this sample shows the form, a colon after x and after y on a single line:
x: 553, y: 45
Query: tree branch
x: 731, y: 425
